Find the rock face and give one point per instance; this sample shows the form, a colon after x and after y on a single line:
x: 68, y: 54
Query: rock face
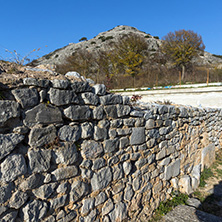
x: 73, y: 152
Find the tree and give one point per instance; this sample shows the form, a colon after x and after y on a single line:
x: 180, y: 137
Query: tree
x: 181, y: 46
x: 128, y: 54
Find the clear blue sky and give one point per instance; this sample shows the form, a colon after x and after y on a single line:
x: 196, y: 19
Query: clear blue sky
x: 28, y: 25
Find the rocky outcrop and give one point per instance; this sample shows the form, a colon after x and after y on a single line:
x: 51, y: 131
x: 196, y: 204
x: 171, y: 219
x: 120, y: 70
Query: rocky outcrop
x: 78, y: 153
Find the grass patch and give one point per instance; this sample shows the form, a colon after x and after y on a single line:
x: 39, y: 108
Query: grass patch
x: 167, y: 206
x: 206, y: 174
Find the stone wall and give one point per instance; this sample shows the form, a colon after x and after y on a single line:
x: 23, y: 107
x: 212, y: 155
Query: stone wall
x: 72, y: 152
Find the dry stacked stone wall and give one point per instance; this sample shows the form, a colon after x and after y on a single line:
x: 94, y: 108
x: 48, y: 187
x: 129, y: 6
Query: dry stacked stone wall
x: 73, y: 152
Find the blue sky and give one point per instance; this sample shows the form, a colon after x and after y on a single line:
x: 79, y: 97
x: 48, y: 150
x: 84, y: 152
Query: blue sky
x: 28, y: 25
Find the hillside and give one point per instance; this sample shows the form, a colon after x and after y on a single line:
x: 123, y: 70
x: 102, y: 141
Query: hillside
x: 105, y: 40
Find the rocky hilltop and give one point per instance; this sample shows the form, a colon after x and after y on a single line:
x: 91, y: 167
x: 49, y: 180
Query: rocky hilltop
x: 105, y: 40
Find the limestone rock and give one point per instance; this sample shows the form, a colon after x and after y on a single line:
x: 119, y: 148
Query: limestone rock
x: 69, y: 133
x: 98, y: 113
x: 8, y: 110
x: 8, y: 142
x: 26, y: 97
x: 90, y: 98
x: 111, y: 99
x: 185, y: 185
x: 34, y: 211
x: 138, y: 136
x: 62, y: 97
x: 88, y: 205
x: 10, y: 217
x: 5, y: 192
x: 110, y: 145
x: 60, y: 83
x: 101, y: 179
x: 99, y: 89
x: 40, y: 136
x: 31, y: 182
x: 172, y: 170
x: 91, y: 149
x: 207, y: 156
x: 78, y: 190
x: 86, y: 130
x: 66, y: 154
x: 119, y: 213
x: 101, y: 198
x: 81, y: 87
x: 12, y: 167
x: 123, y: 110
x: 44, y: 191
x: 58, y: 202
x: 18, y: 199
x: 39, y: 160
x: 76, y: 112
x: 43, y: 114
x: 64, y: 173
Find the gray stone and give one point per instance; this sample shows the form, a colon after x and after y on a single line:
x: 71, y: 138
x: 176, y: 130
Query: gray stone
x: 39, y: 160
x: 161, y: 154
x: 124, y: 131
x: 140, y: 163
x: 64, y: 173
x: 91, y: 149
x: 69, y: 133
x: 185, y: 184
x: 48, y: 178
x: 26, y: 97
x: 34, y: 211
x: 123, y: 142
x: 183, y: 112
x: 98, y: 113
x: 137, y: 183
x: 127, y: 167
x: 116, y: 123
x: 40, y: 136
x: 126, y: 100
x: 86, y: 130
x: 119, y: 213
x: 44, y: 191
x: 207, y: 156
x: 10, y: 217
x: 111, y: 99
x: 49, y: 219
x: 99, y: 89
x: 66, y: 154
x: 107, y: 207
x: 92, y: 216
x: 110, y: 145
x: 12, y: 167
x: 193, y: 202
x: 78, y: 190
x: 111, y: 111
x: 2, y: 209
x: 101, y: 198
x: 113, y: 160
x: 128, y: 193
x: 58, y: 202
x: 43, y: 114
x: 138, y: 136
x: 150, y: 124
x: 165, y: 161
x: 140, y: 122
x: 44, y: 83
x: 42, y: 95
x: 100, y: 133
x: 62, y: 188
x: 86, y: 164
x: 117, y: 172
x: 172, y: 170
x: 129, y: 122
x: 8, y: 110
x: 98, y: 163
x: 90, y: 98
x: 137, y: 113
x: 5, y: 192
x: 76, y: 112
x: 60, y: 83
x: 8, y: 142
x: 101, y: 179
x: 69, y: 217
x: 81, y: 87
x: 21, y: 130
x: 60, y: 97
x: 31, y: 182
x: 86, y: 173
x: 18, y: 199
x: 88, y: 205
x: 123, y: 110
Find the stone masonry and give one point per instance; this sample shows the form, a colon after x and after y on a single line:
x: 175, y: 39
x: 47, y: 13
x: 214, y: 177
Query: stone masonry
x: 73, y: 152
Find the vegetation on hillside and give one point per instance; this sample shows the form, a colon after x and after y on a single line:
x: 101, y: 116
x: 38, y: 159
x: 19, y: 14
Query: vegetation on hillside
x: 127, y: 62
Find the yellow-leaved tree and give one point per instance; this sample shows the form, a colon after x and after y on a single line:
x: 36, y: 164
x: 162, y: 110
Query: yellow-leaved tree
x: 181, y: 47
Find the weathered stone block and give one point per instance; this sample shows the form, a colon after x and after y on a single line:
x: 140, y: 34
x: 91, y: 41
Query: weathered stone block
x: 26, y: 97
x: 8, y: 110
x: 172, y: 170
x: 12, y: 167
x: 39, y: 160
x: 81, y: 87
x: 76, y: 112
x: 101, y: 179
x: 110, y: 145
x: 62, y: 97
x: 43, y: 114
x: 78, y: 190
x: 185, y: 185
x: 44, y: 191
x: 207, y: 156
x: 91, y: 149
x: 138, y: 136
x: 123, y: 110
x: 99, y: 89
x: 40, y: 136
x: 111, y: 99
x: 60, y: 83
x: 64, y: 173
x: 8, y: 142
x: 98, y: 113
x: 69, y: 133
x: 18, y: 199
x: 90, y: 98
